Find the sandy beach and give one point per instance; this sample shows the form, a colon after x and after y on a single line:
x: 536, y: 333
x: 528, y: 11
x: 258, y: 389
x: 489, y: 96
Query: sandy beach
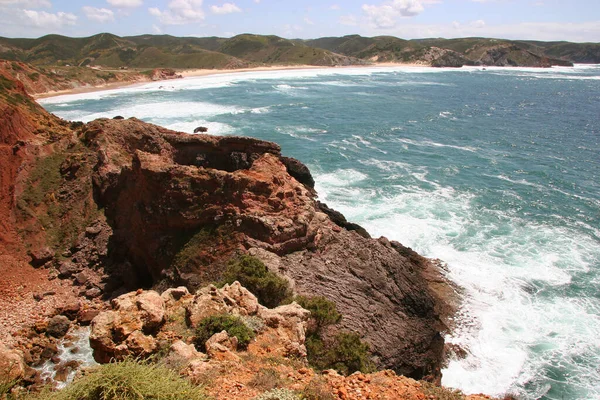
x: 207, y: 72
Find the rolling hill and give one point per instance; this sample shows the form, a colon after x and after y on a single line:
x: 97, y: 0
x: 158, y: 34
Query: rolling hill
x: 247, y: 50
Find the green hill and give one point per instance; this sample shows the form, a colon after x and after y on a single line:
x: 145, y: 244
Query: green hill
x: 165, y: 51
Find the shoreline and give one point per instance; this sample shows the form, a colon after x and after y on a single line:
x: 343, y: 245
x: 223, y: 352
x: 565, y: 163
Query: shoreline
x: 189, y: 73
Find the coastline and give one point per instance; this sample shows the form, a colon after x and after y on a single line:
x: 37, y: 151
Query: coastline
x: 189, y: 73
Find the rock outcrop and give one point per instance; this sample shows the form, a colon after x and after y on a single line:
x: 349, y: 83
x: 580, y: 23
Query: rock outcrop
x: 132, y: 205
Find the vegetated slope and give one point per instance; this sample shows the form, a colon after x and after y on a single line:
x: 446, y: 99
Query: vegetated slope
x: 465, y: 51
x: 44, y: 79
x: 164, y: 51
x: 277, y: 50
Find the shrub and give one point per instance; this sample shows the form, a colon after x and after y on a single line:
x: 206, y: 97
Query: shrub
x: 346, y: 353
x: 128, y: 380
x: 278, y: 394
x: 266, y: 379
x: 317, y: 389
x: 223, y: 322
x: 322, y: 311
x: 268, y: 287
x: 438, y: 392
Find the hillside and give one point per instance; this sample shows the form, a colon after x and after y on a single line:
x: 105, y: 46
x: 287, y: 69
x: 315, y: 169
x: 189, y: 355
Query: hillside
x: 464, y: 51
x: 248, y: 50
x: 164, y: 51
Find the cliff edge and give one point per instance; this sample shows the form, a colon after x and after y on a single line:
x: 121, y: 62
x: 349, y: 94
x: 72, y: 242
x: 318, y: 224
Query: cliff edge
x: 117, y: 205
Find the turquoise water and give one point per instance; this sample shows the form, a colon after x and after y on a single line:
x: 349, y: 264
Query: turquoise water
x: 495, y: 172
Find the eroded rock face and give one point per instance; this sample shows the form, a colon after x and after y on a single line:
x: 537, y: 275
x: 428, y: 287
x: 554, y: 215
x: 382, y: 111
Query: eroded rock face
x: 182, y: 205
x: 177, y: 207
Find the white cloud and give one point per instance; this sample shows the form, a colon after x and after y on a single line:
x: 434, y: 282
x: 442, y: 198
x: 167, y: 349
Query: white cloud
x: 257, y: 1
x: 43, y: 19
x: 387, y: 14
x: 125, y: 3
x: 308, y: 21
x: 99, y: 14
x: 335, y: 7
x: 226, y: 8
x: 548, y: 31
x: 179, y: 12
x: 156, y: 29
x: 26, y: 3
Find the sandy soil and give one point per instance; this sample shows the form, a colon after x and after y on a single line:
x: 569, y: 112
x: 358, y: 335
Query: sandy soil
x: 207, y: 72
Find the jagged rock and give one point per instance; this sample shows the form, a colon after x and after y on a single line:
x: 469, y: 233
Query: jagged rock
x: 208, y: 301
x: 221, y: 347
x: 171, y: 296
x: 289, y: 324
x: 58, y: 326
x: 141, y: 345
x: 11, y: 363
x: 201, y: 129
x: 299, y: 171
x: 147, y: 306
x: 125, y: 329
x: 181, y: 355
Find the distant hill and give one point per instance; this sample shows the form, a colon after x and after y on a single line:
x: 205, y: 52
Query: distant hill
x: 247, y: 50
x: 164, y: 51
x: 465, y: 51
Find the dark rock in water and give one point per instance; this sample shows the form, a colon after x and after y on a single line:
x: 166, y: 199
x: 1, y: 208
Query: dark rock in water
x: 339, y: 219
x: 299, y: 171
x: 201, y: 129
x: 58, y: 326
x: 118, y: 117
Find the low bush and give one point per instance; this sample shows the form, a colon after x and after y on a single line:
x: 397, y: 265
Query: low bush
x: 270, y: 289
x: 223, y: 322
x: 128, y: 380
x: 345, y: 352
x: 266, y: 379
x: 323, y: 312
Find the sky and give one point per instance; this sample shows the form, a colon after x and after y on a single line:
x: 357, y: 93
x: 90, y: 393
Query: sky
x: 572, y: 20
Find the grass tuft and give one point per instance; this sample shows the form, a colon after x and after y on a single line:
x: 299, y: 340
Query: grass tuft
x: 128, y: 380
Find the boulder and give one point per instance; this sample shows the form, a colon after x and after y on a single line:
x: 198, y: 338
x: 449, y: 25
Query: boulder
x: 126, y: 330
x: 58, y: 326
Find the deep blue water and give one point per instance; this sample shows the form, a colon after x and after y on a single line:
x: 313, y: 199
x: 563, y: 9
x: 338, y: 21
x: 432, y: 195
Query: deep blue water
x: 495, y: 172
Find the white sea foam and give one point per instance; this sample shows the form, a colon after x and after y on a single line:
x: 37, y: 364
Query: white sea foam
x: 511, y: 331
x: 429, y: 143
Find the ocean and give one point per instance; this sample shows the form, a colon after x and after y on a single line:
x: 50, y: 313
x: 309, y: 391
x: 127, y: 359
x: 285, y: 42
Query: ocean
x: 494, y: 171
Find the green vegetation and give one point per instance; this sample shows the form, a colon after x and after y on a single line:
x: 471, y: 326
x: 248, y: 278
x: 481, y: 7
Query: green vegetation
x: 223, y: 322
x: 62, y: 205
x: 323, y: 312
x: 345, y: 352
x: 270, y: 289
x: 127, y: 380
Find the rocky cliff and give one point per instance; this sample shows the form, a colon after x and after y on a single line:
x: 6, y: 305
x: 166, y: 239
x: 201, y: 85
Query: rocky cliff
x: 117, y: 205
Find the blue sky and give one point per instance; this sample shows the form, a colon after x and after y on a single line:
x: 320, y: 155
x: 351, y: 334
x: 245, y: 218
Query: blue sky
x: 574, y: 20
